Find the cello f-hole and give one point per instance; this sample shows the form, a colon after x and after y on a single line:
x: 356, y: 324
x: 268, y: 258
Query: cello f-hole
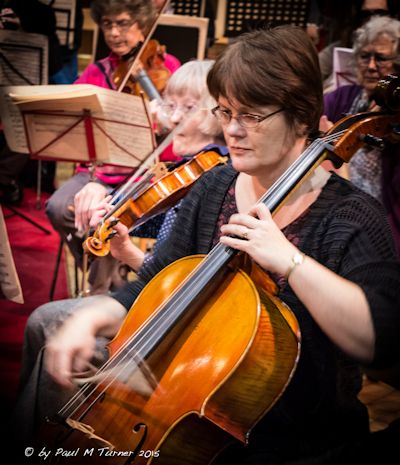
x: 139, y: 428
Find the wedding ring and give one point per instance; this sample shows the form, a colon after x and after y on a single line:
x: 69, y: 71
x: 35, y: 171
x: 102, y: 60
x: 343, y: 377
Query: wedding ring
x: 245, y: 236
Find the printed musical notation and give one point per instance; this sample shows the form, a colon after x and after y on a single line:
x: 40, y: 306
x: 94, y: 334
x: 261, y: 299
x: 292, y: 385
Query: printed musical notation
x: 122, y: 133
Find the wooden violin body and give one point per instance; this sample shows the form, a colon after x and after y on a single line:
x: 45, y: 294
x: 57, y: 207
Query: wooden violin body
x: 201, y: 392
x: 151, y: 62
x: 155, y: 199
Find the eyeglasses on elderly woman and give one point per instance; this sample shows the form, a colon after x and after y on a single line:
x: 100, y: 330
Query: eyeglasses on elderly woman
x: 364, y: 58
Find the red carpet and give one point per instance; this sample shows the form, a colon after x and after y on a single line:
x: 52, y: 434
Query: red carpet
x: 34, y: 254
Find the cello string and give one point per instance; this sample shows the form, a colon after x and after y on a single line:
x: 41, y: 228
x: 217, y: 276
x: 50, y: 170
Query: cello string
x: 180, y: 298
x: 184, y: 296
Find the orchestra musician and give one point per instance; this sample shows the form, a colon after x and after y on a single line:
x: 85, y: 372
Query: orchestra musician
x: 376, y: 49
x: 124, y: 24
x: 186, y: 90
x: 328, y: 248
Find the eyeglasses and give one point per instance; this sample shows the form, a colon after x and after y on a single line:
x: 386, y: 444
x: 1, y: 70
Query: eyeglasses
x: 381, y: 60
x: 122, y: 25
x: 246, y: 120
x: 170, y: 108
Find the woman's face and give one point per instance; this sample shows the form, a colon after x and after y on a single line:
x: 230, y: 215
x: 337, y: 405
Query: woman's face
x: 121, y: 32
x: 375, y: 61
x: 262, y: 151
x: 189, y: 139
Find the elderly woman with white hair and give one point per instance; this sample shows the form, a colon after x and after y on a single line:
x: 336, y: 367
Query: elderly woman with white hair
x: 186, y: 91
x: 377, y: 54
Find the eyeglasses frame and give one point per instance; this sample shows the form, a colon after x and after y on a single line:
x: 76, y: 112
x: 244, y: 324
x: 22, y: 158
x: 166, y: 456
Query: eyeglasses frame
x: 258, y: 118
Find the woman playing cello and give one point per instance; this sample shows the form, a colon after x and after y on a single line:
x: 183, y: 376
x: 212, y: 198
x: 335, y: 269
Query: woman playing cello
x: 329, y: 249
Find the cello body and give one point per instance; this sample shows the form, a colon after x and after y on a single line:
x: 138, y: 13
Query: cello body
x: 208, y: 382
x: 184, y: 384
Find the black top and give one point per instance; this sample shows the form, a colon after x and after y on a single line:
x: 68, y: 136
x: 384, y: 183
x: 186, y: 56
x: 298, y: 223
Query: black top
x: 345, y: 230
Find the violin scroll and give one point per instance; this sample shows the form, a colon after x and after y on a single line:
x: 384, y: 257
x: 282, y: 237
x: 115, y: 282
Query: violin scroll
x: 99, y: 243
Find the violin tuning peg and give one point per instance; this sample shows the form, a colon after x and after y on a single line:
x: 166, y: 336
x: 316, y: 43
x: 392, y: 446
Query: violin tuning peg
x: 111, y: 235
x: 112, y: 223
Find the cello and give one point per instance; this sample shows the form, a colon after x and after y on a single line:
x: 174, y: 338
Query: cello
x: 172, y: 369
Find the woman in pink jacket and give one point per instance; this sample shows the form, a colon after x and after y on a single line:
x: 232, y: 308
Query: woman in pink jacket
x: 124, y: 24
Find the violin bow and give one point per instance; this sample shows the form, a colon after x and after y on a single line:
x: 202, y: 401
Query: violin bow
x: 142, y: 47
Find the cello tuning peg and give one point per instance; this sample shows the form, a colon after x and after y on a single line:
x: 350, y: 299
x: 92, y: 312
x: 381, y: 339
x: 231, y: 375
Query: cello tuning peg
x: 373, y: 141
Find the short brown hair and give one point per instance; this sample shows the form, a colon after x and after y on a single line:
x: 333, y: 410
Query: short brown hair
x: 141, y: 11
x: 277, y: 67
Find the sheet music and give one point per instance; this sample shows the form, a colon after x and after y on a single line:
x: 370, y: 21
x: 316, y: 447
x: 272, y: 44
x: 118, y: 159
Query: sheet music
x: 123, y: 125
x: 10, y: 113
x: 65, y: 16
x: 10, y: 286
x: 136, y: 140
x: 23, y: 58
x: 343, y: 67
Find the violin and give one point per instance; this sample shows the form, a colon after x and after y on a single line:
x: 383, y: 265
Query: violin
x: 185, y: 377
x: 154, y: 199
x: 151, y: 75
x: 145, y: 68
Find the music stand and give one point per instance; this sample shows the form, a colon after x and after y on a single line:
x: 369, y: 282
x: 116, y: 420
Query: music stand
x: 10, y: 287
x: 236, y: 17
x: 26, y: 218
x: 343, y: 67
x: 24, y: 60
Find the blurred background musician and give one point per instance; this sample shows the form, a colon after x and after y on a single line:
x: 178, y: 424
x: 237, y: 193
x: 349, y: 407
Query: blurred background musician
x: 186, y: 90
x: 124, y: 24
x: 376, y: 51
x: 343, y: 22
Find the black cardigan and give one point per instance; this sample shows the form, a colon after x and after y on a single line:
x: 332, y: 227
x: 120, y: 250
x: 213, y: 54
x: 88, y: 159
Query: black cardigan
x: 345, y: 230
